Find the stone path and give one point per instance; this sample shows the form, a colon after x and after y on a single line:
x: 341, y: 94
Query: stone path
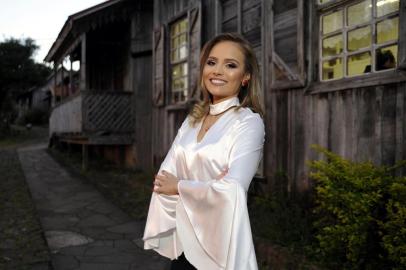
x: 83, y: 230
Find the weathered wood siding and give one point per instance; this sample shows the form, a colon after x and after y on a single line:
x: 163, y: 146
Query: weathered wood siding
x: 141, y: 52
x: 67, y: 116
x: 91, y: 112
x: 358, y: 124
x: 166, y: 119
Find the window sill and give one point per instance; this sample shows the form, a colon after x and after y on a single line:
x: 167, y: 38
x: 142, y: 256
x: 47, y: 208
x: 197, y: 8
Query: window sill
x: 392, y: 76
x: 176, y: 107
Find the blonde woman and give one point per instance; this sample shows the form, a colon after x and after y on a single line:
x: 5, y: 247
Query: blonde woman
x: 198, y: 212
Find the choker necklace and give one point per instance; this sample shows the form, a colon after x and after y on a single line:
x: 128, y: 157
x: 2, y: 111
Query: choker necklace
x: 218, y: 108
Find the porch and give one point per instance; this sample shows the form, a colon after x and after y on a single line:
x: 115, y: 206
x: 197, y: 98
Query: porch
x: 93, y: 118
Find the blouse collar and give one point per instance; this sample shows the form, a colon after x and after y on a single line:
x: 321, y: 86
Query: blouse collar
x: 222, y: 106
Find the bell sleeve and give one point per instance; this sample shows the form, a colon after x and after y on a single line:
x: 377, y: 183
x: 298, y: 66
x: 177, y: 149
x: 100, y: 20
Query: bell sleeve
x: 212, y: 217
x: 159, y: 233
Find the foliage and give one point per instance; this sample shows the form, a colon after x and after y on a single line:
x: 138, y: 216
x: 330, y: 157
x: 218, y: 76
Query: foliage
x: 287, y: 216
x: 360, y: 214
x: 18, y: 73
x: 34, y: 116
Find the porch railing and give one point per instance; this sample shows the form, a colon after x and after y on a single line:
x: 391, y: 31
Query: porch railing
x: 92, y: 112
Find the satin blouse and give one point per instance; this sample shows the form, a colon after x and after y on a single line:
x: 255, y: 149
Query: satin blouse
x: 208, y: 221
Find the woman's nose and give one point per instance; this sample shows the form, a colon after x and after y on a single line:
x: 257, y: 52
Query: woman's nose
x: 218, y: 70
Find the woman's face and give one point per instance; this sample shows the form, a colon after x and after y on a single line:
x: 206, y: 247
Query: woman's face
x: 224, y: 71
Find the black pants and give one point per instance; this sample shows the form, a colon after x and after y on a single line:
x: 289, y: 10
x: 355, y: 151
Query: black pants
x: 182, y: 264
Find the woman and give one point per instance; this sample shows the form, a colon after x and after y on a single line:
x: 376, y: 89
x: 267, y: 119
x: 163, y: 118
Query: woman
x: 198, y: 210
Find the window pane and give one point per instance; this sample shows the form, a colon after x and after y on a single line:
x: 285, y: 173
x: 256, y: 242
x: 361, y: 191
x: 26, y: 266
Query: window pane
x: 183, y: 25
x: 332, y: 69
x: 386, y: 57
x: 359, y: 13
x: 324, y: 1
x: 384, y: 7
x: 174, y: 55
x: 359, y: 63
x: 182, y: 52
x: 387, y: 30
x: 359, y: 38
x: 176, y: 71
x: 184, y: 69
x: 182, y: 39
x: 333, y: 45
x: 332, y: 22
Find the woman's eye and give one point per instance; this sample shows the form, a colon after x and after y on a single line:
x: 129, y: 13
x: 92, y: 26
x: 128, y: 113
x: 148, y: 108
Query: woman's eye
x: 211, y: 63
x: 231, y: 65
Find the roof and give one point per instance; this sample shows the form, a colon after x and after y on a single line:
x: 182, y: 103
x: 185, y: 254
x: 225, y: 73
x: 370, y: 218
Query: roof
x: 70, y: 22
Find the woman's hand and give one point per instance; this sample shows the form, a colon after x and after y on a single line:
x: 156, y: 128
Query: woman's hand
x: 166, y: 183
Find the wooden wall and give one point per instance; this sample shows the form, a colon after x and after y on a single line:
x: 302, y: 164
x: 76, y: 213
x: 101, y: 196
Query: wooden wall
x: 363, y: 123
x: 359, y: 124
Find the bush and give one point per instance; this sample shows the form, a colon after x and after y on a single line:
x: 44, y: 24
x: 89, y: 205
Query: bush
x: 35, y: 117
x: 360, y: 214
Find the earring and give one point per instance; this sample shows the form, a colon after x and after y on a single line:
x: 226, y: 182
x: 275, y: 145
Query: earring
x: 244, y: 82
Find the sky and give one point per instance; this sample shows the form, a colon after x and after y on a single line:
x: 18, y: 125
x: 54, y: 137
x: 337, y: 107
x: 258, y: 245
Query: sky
x: 40, y: 20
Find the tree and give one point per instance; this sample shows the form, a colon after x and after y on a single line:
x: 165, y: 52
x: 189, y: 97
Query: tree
x: 18, y: 73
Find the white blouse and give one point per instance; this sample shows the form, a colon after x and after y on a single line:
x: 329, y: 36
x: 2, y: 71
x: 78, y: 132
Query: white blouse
x: 208, y: 220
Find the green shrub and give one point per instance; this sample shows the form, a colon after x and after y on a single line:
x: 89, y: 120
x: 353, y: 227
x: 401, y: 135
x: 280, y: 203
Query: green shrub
x: 360, y: 214
x: 34, y: 116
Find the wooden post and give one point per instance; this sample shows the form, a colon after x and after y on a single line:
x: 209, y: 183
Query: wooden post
x: 83, y: 63
x: 85, y: 157
x: 70, y: 76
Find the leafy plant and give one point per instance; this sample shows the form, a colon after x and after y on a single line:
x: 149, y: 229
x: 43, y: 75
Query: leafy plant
x: 359, y: 213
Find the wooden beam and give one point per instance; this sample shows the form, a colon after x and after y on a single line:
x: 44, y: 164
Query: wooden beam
x: 85, y: 157
x: 83, y: 63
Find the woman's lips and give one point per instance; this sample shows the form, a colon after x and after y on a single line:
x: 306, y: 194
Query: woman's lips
x: 218, y: 82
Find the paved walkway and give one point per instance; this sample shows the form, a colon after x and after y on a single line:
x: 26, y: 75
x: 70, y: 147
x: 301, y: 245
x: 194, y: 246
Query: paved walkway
x: 83, y: 230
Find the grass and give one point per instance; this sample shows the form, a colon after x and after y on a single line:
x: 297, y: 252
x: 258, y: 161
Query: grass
x: 22, y: 244
x: 20, y: 136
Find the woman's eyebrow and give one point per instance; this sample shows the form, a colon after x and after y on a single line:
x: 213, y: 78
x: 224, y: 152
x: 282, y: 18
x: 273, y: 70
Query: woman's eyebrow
x: 226, y: 59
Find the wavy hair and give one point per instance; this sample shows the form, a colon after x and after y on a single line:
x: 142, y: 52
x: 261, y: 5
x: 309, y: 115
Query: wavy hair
x: 248, y: 95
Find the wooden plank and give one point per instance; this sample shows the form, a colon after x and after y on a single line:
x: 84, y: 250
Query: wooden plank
x: 83, y: 66
x: 388, y: 140
x: 85, y: 157
x: 400, y: 120
x: 373, y: 79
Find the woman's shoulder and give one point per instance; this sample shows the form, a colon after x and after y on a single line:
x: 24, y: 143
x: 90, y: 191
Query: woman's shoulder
x: 246, y: 118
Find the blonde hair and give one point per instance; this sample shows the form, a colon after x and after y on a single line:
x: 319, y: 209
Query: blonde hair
x: 248, y: 95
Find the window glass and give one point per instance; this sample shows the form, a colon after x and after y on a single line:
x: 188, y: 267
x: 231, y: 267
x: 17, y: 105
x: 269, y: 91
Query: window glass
x: 179, y: 65
x: 359, y: 13
x: 359, y: 38
x: 324, y: 1
x: 333, y: 45
x: 359, y: 63
x: 384, y: 7
x: 387, y: 30
x: 332, y: 69
x: 385, y: 57
x: 332, y: 22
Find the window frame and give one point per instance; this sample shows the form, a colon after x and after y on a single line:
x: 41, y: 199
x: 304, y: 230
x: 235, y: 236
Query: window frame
x: 170, y: 96
x: 395, y: 75
x: 344, y: 30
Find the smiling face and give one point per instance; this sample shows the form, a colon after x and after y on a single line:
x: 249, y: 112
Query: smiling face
x: 224, y: 71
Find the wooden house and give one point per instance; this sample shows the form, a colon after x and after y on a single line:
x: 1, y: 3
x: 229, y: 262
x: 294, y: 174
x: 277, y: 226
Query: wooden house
x: 325, y: 79
x: 333, y: 74
x: 109, y: 46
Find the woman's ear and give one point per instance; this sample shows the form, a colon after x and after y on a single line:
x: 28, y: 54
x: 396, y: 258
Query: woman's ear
x: 247, y: 76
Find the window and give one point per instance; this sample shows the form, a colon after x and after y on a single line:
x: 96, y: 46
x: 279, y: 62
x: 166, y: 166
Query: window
x: 179, y: 60
x: 358, y: 38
